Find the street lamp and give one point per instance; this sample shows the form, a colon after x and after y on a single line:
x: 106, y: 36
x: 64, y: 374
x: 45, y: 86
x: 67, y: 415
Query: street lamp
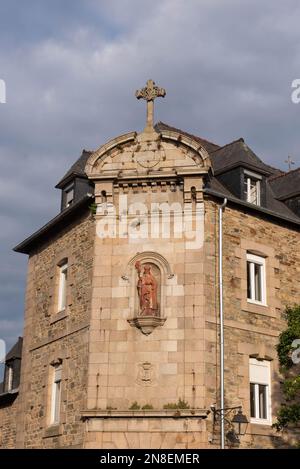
x: 240, y: 423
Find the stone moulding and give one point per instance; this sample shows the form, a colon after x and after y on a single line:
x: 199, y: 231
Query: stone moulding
x: 151, y: 256
x: 171, y: 413
x: 104, y: 149
x: 146, y: 324
x: 202, y: 160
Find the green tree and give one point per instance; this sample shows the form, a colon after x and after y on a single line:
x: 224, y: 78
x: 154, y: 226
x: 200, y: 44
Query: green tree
x: 289, y: 355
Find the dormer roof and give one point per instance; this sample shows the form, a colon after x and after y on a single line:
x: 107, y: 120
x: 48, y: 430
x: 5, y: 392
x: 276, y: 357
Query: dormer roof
x: 77, y: 169
x: 237, y: 153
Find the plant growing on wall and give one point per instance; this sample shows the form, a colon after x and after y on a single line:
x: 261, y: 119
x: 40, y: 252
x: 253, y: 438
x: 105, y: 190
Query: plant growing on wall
x: 93, y: 208
x: 181, y: 404
x: 134, y: 406
x: 288, y: 350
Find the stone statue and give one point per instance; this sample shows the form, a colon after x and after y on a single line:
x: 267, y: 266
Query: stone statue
x: 147, y: 291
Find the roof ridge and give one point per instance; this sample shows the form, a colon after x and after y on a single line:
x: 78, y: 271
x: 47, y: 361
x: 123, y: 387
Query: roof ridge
x: 241, y: 139
x: 196, y: 136
x: 284, y: 174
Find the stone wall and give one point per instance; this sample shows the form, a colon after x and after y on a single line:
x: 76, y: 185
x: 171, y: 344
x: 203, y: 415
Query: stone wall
x: 50, y: 335
x: 250, y: 330
x: 8, y: 430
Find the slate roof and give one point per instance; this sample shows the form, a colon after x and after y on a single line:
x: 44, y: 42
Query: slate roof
x: 286, y: 185
x: 16, y: 350
x: 209, y: 146
x: 237, y: 153
x: 77, y: 169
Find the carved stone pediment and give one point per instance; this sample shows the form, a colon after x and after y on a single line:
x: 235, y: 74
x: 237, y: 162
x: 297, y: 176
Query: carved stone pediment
x: 148, y: 154
x: 146, y: 324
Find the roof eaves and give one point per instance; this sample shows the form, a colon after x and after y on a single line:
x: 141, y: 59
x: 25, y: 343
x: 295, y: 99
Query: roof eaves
x: 69, y: 178
x: 251, y: 206
x: 26, y: 245
x: 254, y: 168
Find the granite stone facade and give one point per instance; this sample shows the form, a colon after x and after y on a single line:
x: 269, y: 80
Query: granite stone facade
x: 133, y: 382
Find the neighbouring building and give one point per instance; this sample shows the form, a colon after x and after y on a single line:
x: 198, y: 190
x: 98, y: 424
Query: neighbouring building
x: 121, y: 336
x: 9, y: 390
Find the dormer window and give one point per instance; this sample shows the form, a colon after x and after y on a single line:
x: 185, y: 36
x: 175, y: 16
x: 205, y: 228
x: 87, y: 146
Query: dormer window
x: 10, y: 375
x: 252, y: 187
x: 69, y: 195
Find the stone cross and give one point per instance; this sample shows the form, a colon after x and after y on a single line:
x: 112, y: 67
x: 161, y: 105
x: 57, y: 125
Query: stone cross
x: 149, y: 93
x: 290, y: 162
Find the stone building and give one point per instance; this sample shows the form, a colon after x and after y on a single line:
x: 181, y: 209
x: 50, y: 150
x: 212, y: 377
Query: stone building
x: 121, y: 341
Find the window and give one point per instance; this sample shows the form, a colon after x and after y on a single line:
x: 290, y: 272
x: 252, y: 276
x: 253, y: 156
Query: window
x: 256, y: 279
x: 10, y: 376
x: 55, y: 394
x: 260, y: 395
x: 252, y: 188
x: 69, y: 194
x: 62, y: 288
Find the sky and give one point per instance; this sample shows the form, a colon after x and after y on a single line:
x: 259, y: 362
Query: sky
x: 71, y: 69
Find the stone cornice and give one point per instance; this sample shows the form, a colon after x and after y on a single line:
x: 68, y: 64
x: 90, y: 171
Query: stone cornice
x: 165, y: 413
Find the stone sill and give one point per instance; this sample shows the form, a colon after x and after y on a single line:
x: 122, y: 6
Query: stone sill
x: 167, y: 413
x: 59, y: 316
x: 53, y: 430
x: 262, y: 429
x: 258, y: 308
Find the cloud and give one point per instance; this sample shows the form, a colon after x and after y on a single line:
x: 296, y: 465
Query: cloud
x: 71, y: 70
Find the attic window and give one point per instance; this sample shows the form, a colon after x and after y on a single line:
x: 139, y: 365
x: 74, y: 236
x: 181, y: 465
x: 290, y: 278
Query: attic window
x: 10, y: 372
x: 252, y: 187
x: 69, y: 195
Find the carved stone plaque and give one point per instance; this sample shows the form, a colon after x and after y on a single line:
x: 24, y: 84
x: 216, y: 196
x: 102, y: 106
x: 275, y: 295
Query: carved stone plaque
x: 146, y: 374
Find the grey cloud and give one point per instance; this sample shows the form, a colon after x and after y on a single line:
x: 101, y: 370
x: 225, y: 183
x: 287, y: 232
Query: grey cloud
x: 72, y: 69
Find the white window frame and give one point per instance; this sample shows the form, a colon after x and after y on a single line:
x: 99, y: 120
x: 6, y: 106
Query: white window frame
x: 249, y: 176
x: 261, y: 261
x: 69, y: 190
x: 260, y: 374
x: 62, y: 286
x: 10, y: 377
x: 56, y: 395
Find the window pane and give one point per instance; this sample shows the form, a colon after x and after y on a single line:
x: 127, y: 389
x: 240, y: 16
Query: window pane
x: 257, y: 280
x: 249, y: 280
x: 10, y: 378
x: 252, y: 400
x: 57, y: 402
x: 69, y: 197
x: 56, y: 395
x: 262, y: 392
x: 246, y: 188
x: 62, y: 293
x: 252, y: 192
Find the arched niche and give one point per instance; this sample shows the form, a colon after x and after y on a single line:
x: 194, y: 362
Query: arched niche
x: 147, y: 306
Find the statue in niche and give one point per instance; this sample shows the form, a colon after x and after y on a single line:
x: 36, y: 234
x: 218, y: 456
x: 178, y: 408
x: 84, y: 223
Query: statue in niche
x: 147, y: 291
